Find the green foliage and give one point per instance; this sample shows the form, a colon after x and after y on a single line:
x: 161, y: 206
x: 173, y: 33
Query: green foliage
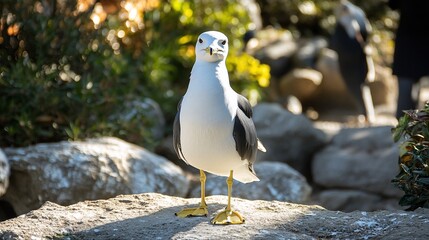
x: 308, y: 18
x: 247, y: 74
x: 61, y: 79
x: 65, y: 76
x: 305, y: 18
x: 301, y: 17
x: 413, y: 178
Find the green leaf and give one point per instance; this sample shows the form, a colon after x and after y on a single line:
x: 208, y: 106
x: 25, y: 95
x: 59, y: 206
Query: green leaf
x: 405, y: 168
x: 73, y: 132
x: 400, y: 128
x: 407, y: 200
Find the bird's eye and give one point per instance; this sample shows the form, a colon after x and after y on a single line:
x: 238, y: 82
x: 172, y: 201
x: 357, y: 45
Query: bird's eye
x: 200, y: 40
x: 223, y: 42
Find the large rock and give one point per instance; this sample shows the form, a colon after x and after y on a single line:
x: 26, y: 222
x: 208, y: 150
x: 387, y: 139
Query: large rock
x: 300, y: 82
x: 287, y: 137
x: 68, y: 172
x: 4, y: 173
x: 332, y: 92
x: 151, y: 216
x: 278, y: 182
x: 352, y: 200
x: 384, y: 91
x: 359, y: 158
x: 276, y: 49
x: 308, y: 52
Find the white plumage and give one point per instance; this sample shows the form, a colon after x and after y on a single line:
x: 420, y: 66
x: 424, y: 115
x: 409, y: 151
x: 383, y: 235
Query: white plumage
x: 207, y: 117
x: 213, y: 129
x: 208, y: 111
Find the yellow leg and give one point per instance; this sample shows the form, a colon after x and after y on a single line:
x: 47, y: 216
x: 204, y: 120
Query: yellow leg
x: 202, y: 209
x: 228, y: 216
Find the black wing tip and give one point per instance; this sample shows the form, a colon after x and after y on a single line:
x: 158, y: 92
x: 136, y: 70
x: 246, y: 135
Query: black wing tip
x: 244, y: 133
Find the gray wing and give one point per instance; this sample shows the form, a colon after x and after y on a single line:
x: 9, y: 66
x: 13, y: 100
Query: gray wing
x: 244, y: 132
x: 176, y: 133
x: 245, y: 106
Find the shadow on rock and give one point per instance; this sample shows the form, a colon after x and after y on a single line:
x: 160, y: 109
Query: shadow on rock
x: 162, y: 224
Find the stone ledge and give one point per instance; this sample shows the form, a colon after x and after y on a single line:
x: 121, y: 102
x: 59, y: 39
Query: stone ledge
x: 151, y: 216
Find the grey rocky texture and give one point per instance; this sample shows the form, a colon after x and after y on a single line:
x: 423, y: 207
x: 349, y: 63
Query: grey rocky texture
x: 359, y: 158
x: 332, y: 92
x: 69, y: 172
x: 278, y: 182
x: 309, y: 51
x: 352, y: 200
x: 4, y: 173
x: 354, y: 171
x: 275, y: 49
x: 151, y: 216
x: 384, y: 91
x: 287, y: 137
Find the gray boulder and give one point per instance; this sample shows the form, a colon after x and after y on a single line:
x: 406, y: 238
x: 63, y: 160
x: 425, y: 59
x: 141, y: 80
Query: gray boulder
x: 151, y: 216
x: 308, y: 52
x: 300, y: 83
x: 332, y: 93
x: 352, y: 200
x: 278, y: 182
x: 69, y: 172
x: 276, y: 50
x: 359, y: 158
x: 288, y: 138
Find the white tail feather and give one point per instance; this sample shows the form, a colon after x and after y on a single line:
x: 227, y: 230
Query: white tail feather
x: 261, y: 146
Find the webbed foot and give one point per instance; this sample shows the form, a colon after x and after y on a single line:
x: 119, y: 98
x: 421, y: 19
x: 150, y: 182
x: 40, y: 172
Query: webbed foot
x: 228, y: 217
x: 201, y: 211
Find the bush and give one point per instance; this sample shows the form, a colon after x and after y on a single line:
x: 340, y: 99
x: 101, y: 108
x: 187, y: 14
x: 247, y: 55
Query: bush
x: 67, y: 67
x: 413, y: 178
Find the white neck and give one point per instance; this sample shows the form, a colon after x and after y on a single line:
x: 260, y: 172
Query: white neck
x: 209, y: 91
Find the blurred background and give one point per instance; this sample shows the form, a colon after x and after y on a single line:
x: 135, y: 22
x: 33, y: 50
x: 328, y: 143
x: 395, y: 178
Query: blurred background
x: 77, y: 69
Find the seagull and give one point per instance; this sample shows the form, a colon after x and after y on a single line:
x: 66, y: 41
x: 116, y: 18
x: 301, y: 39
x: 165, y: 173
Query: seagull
x: 213, y: 128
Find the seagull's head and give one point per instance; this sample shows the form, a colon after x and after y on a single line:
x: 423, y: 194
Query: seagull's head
x: 347, y: 15
x: 211, y: 46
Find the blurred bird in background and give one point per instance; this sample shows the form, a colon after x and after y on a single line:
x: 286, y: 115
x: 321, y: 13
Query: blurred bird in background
x: 350, y: 41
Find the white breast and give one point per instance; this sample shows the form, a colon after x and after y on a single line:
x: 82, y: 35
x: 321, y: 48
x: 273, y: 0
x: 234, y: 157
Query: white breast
x: 207, y: 120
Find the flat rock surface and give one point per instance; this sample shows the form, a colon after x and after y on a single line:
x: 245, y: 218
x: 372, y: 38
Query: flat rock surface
x: 151, y: 216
